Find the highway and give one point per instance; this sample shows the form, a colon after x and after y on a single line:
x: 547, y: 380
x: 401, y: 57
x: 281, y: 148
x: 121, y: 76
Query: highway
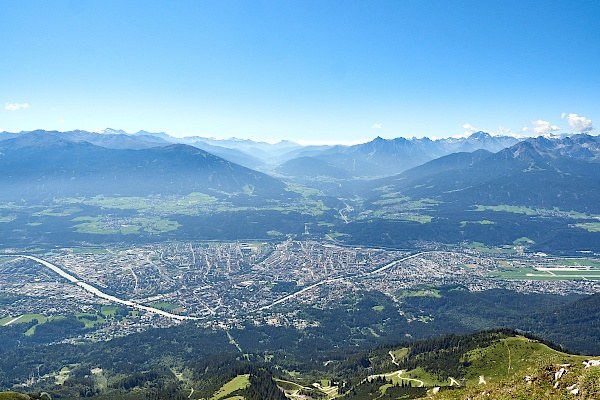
x: 299, y: 292
x: 393, y: 263
x: 387, y: 266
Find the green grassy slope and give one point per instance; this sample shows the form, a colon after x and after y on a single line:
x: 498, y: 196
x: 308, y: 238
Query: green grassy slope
x: 492, y: 365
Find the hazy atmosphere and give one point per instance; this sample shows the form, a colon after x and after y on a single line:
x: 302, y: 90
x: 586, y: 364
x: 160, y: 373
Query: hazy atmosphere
x: 299, y: 200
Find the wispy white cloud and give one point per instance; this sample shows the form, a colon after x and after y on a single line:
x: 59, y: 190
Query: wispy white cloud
x: 470, y: 128
x: 502, y: 131
x: 581, y: 124
x: 15, y: 106
x: 330, y: 142
x: 540, y: 127
x: 377, y: 126
x: 62, y: 121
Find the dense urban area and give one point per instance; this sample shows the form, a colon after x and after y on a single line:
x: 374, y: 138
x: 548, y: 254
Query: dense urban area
x: 224, y: 284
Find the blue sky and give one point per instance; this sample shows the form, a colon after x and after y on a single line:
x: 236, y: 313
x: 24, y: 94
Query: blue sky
x: 301, y: 70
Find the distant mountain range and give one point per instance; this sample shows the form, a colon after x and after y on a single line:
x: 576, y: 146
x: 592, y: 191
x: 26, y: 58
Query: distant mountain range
x: 40, y: 165
x: 334, y: 188
x: 384, y: 157
x: 377, y: 158
x: 537, y: 172
x: 563, y: 170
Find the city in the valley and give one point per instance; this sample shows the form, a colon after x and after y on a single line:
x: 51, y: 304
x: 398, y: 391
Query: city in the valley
x: 121, y: 290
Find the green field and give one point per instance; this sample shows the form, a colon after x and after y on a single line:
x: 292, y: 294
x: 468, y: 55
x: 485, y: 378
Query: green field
x: 486, y: 249
x: 5, y: 320
x: 63, y: 375
x: 30, y: 317
x: 523, y: 241
x: 399, y: 354
x: 422, y: 219
x: 389, y: 200
x: 577, y: 262
x: 89, y: 250
x: 481, y: 222
x: 421, y: 293
x: 239, y: 382
x: 303, y: 190
x: 510, y: 209
x: 288, y: 385
x: 165, y: 306
x: 509, y: 356
x: 108, y: 311
x: 26, y: 318
x: 90, y: 320
x: 536, y: 211
x: 406, y: 204
x: 590, y: 226
x: 334, y: 235
x: 187, y: 205
x: 93, y: 225
x: 402, y: 209
x: 102, y: 226
x: 547, y: 274
x: 193, y: 204
x: 392, y: 214
x: 553, y: 269
x: 13, y: 396
x: 8, y: 218
x: 57, y: 212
